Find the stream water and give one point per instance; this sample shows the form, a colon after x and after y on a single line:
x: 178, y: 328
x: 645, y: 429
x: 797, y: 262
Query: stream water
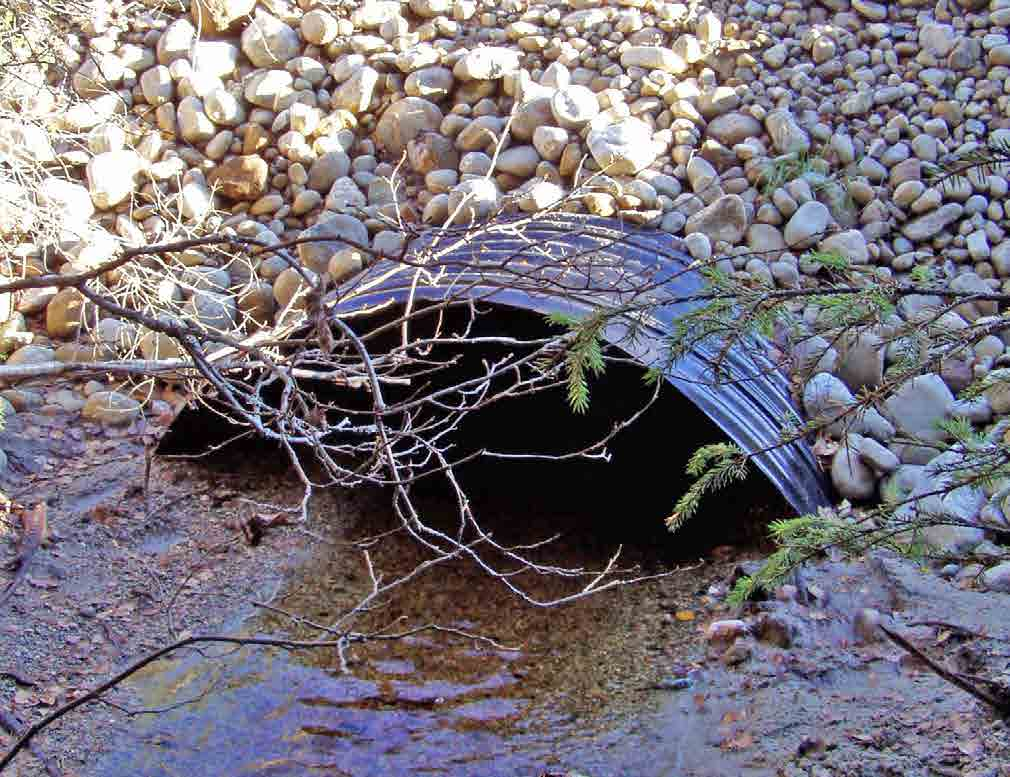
x: 591, y: 688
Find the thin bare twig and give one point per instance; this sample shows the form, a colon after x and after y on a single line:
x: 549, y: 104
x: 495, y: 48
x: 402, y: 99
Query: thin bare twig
x: 999, y: 704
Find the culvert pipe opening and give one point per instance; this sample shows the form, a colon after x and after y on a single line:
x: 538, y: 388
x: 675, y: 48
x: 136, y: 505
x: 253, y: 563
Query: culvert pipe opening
x: 620, y: 499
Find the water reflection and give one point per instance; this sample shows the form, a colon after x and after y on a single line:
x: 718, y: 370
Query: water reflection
x: 268, y: 713
x: 273, y: 716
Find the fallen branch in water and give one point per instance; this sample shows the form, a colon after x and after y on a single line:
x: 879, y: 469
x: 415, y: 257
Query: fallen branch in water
x: 12, y: 725
x: 1000, y: 703
x: 340, y: 643
x: 961, y: 631
x: 92, y: 695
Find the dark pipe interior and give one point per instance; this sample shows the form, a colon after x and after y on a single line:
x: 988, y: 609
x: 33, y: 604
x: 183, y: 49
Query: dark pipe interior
x: 621, y: 501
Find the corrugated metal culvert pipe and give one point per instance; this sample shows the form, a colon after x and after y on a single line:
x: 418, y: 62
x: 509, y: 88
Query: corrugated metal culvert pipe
x: 564, y: 263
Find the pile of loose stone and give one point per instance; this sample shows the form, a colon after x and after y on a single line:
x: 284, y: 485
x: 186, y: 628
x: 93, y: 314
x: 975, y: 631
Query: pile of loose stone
x: 273, y: 120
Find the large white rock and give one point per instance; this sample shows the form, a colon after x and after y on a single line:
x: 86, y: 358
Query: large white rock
x: 623, y: 148
x: 787, y: 136
x: 99, y: 74
x: 709, y: 27
x: 550, y: 142
x: 95, y: 248
x: 997, y: 578
x: 268, y: 41
x: 429, y: 9
x: 947, y: 509
x: 417, y: 57
x: 215, y: 58
x: 371, y: 14
x: 87, y: 114
x: 70, y: 201
x: 574, y: 106
x: 850, y: 244
x: 937, y: 39
x: 112, y: 177
x: 732, y: 128
x: 474, y: 200
x: 520, y: 161
x: 849, y: 473
x: 932, y: 224
x: 270, y: 89
x: 725, y: 220
x: 195, y: 198
x: 212, y: 309
x: 915, y: 408
x: 195, y: 125
x: 319, y: 27
x: 345, y: 197
x: 25, y: 141
x: 807, y: 224
x: 224, y: 108
x: 654, y: 58
x: 404, y: 120
x: 198, y: 84
x: 530, y: 114
x: 431, y: 83
x: 355, y: 94
x: 291, y: 287
x: 175, y: 42
x: 688, y: 48
x: 345, y: 263
x: 157, y: 86
x: 17, y: 211
x: 539, y: 195
x: 701, y: 175
x: 487, y: 63
x: 327, y: 169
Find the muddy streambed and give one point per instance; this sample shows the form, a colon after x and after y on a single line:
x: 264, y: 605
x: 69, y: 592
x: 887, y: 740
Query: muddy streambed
x: 618, y: 684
